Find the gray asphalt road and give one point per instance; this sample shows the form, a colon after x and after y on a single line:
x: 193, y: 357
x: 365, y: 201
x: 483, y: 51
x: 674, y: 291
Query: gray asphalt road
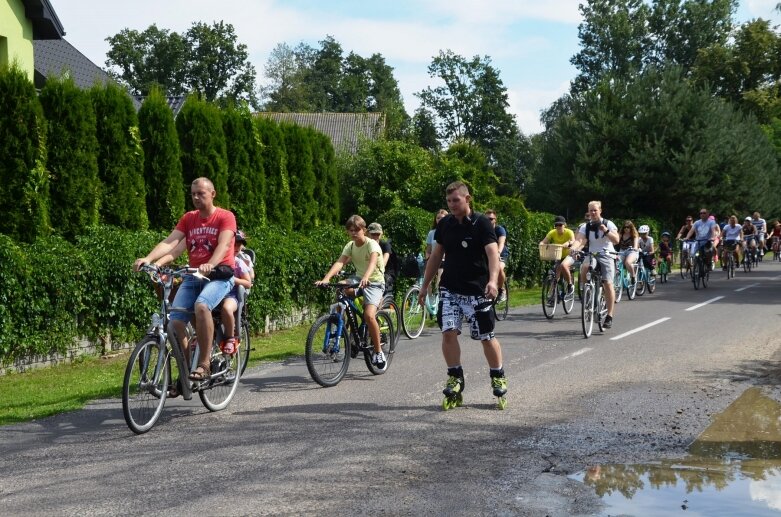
x: 382, y: 444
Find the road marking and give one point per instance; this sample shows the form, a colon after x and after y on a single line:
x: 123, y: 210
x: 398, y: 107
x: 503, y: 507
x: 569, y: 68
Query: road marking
x: 579, y: 352
x: 747, y: 287
x: 693, y: 307
x: 569, y: 356
x: 776, y: 278
x: 638, y: 329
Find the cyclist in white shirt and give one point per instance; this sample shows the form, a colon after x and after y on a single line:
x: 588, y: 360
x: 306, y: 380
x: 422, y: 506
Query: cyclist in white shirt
x: 705, y: 231
x: 761, y: 226
x: 600, y: 235
x: 733, y: 240
x: 646, y: 245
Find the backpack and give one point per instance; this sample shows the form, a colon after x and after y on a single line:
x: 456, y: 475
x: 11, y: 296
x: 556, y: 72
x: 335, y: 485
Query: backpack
x: 410, y: 268
x: 392, y: 267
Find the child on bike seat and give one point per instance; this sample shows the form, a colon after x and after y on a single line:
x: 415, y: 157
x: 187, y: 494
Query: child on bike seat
x: 366, y: 254
x: 666, y: 250
x: 241, y: 277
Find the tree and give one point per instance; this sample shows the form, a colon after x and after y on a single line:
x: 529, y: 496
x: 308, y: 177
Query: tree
x: 120, y: 158
x: 246, y: 178
x: 207, y: 59
x: 202, y: 147
x: 285, y: 91
x: 24, y: 180
x: 301, y: 175
x: 327, y: 187
x: 72, y: 157
x: 162, y: 167
x: 154, y: 57
x: 278, y: 207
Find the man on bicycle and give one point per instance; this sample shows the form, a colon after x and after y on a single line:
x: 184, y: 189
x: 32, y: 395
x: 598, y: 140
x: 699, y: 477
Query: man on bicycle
x: 504, y: 251
x: 468, y: 283
x: 562, y: 235
x: 761, y: 226
x: 705, y: 231
x: 208, y: 234
x: 600, y: 235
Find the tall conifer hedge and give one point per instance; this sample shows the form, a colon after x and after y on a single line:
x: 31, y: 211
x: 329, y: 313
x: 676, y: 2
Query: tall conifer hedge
x: 120, y: 158
x: 278, y: 208
x: 302, y: 176
x: 246, y: 180
x: 162, y: 168
x: 72, y: 157
x: 23, y: 176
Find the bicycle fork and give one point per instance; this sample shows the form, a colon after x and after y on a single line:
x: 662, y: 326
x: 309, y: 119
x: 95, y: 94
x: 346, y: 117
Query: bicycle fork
x: 332, y: 347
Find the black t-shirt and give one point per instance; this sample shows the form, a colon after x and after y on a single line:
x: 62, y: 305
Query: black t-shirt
x: 466, y: 268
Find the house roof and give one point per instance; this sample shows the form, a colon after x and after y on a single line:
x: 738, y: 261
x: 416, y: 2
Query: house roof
x: 175, y: 102
x: 46, y: 25
x: 346, y: 130
x: 53, y: 57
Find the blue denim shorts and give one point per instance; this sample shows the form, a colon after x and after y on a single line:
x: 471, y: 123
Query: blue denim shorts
x: 195, y: 290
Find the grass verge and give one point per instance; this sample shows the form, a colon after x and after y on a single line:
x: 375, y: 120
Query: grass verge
x: 69, y: 387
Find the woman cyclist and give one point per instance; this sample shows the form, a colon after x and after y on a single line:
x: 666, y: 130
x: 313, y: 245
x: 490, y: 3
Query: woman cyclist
x: 646, y: 245
x: 775, y: 236
x: 749, y: 235
x: 733, y: 240
x: 627, y: 247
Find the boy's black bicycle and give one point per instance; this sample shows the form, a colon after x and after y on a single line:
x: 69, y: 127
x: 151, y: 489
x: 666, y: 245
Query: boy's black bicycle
x: 337, y: 337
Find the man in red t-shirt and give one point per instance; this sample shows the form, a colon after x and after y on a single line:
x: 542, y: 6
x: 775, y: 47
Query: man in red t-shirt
x: 207, y: 234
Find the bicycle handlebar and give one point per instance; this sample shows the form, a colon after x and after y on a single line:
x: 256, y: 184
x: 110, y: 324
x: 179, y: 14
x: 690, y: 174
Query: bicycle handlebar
x: 158, y: 273
x: 339, y: 286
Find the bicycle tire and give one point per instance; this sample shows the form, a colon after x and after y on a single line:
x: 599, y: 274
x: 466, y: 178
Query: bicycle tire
x: 640, y: 283
x: 217, y: 392
x: 705, y: 276
x: 631, y: 287
x: 696, y: 274
x: 731, y: 267
x: 568, y: 300
x: 650, y: 282
x: 387, y: 343
x: 389, y: 304
x: 502, y: 309
x: 244, y: 345
x: 601, y: 310
x: 587, y: 309
x: 145, y: 384
x: 618, y: 282
x: 325, y: 366
x: 413, y: 315
x: 548, y: 291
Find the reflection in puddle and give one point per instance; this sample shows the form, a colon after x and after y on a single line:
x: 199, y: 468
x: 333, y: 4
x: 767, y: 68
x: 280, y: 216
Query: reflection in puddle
x: 733, y: 468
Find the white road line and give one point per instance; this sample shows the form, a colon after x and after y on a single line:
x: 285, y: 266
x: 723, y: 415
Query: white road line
x: 776, y: 278
x: 638, y: 329
x: 747, y: 287
x: 579, y: 352
x: 693, y: 307
x: 569, y: 356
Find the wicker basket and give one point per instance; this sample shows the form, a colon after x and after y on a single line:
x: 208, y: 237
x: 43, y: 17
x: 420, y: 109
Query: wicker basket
x: 551, y: 251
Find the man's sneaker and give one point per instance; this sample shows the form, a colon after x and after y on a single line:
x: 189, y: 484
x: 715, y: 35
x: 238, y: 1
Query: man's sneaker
x: 608, y: 322
x: 502, y: 296
x: 378, y: 360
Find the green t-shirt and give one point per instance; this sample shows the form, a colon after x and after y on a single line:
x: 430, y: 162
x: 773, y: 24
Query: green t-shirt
x: 360, y: 255
x: 554, y: 237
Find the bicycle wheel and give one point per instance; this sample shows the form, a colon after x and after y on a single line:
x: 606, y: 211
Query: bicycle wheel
x: 389, y: 304
x: 244, y: 345
x: 587, y: 309
x: 387, y: 343
x: 640, y: 282
x: 650, y: 282
x: 549, y: 296
x: 568, y: 300
x: 696, y: 274
x: 631, y: 287
x: 327, y: 355
x: 413, y: 314
x: 618, y: 282
x: 705, y: 271
x: 502, y: 308
x: 145, y: 386
x: 684, y: 266
x: 601, y: 310
x: 218, y: 391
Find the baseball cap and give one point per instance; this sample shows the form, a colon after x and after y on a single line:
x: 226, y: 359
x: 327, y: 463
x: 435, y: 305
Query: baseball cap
x: 375, y: 228
x: 559, y: 220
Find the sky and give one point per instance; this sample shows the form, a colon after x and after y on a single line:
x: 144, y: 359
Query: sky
x: 530, y: 42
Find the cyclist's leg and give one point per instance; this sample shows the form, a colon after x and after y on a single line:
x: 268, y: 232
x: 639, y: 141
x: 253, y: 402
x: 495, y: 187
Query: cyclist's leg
x: 564, y: 268
x: 372, y: 299
x: 211, y: 295
x: 185, y: 298
x: 227, y: 315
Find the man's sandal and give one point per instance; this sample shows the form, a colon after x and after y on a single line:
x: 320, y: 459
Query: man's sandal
x: 202, y: 373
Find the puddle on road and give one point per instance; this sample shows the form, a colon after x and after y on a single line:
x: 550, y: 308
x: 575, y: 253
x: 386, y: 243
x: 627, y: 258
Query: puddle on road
x: 733, y: 468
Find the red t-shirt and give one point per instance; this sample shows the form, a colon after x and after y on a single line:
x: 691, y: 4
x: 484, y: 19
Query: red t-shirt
x: 202, y: 235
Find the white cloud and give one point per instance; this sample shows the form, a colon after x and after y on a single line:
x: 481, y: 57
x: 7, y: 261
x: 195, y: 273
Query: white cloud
x: 526, y: 103
x: 479, y: 12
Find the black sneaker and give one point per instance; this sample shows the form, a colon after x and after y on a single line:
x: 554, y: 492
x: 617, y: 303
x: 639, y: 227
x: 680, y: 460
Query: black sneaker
x: 608, y: 322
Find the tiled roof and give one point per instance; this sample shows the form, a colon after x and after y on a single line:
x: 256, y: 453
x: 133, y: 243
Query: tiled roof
x: 53, y: 57
x: 345, y: 129
x: 175, y: 102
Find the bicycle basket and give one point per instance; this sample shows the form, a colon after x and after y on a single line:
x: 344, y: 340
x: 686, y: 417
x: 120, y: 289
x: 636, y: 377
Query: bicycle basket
x: 551, y: 251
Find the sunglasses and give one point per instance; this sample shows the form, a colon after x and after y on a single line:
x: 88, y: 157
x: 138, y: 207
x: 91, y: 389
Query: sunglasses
x: 558, y: 224
x: 703, y: 213
x: 492, y: 218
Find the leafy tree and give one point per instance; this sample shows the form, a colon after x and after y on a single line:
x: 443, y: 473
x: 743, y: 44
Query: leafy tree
x: 424, y: 130
x: 278, y: 207
x: 141, y: 60
x: 72, y: 157
x: 301, y: 175
x: 24, y: 181
x: 327, y: 178
x: 202, y: 147
x: 162, y: 167
x: 285, y: 91
x: 246, y: 178
x: 120, y: 158
x: 207, y: 59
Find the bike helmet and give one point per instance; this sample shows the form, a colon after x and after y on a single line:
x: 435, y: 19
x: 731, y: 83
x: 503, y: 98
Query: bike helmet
x: 665, y: 234
x: 748, y: 218
x: 644, y: 229
x: 240, y: 237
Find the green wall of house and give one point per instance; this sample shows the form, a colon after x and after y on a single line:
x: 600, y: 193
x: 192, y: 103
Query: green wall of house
x: 16, y: 36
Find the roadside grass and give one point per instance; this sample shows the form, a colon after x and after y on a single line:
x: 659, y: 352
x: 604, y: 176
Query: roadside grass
x: 69, y: 387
